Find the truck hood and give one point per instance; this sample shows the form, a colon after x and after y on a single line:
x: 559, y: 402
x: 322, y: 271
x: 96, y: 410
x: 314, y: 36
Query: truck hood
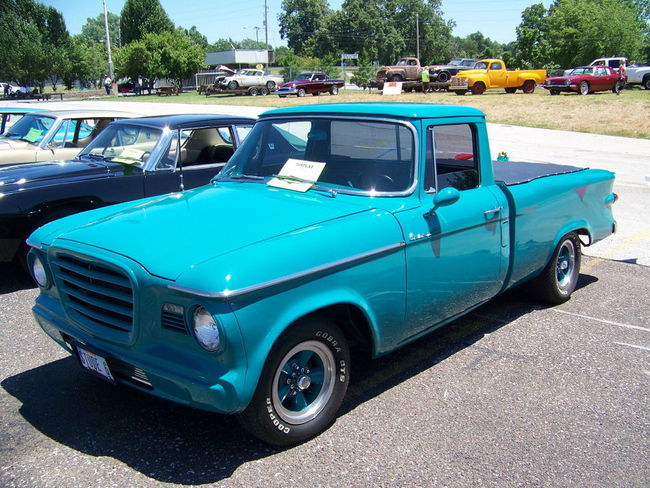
x: 174, y: 233
x: 25, y: 176
x: 470, y: 72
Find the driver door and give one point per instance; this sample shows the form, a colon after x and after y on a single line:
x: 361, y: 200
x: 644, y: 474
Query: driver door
x: 454, y: 252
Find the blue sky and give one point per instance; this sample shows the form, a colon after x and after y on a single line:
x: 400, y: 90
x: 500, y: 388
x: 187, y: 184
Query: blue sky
x: 496, y: 19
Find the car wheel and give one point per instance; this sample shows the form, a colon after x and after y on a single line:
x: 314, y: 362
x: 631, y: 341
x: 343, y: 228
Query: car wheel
x: 270, y: 85
x: 646, y: 82
x: 478, y: 88
x: 460, y: 92
x: 301, y: 92
x: 618, y: 86
x: 528, y: 86
x: 584, y: 88
x: 510, y: 90
x: 444, y: 77
x: 233, y: 85
x: 302, y: 385
x: 560, y: 276
x: 396, y: 78
x: 264, y: 91
x: 253, y: 92
x: 334, y: 90
x: 554, y: 92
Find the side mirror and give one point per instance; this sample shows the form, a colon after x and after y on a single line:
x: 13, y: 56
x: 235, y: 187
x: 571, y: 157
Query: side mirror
x: 444, y: 197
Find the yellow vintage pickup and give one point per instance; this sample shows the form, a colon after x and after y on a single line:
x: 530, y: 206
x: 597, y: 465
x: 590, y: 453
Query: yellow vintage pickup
x: 492, y: 73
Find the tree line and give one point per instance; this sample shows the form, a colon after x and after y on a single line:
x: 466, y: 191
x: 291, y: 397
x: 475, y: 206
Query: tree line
x: 38, y: 47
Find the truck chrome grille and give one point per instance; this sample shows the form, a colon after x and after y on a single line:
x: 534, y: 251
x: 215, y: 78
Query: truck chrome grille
x: 94, y: 293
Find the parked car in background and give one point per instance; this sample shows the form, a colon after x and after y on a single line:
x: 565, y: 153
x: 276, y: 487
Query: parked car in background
x: 251, y: 77
x: 492, y: 73
x: 613, y: 63
x: 311, y: 82
x: 406, y: 69
x: 442, y: 73
x: 10, y: 115
x: 639, y: 75
x: 336, y: 231
x: 61, y: 134
x: 583, y: 80
x: 130, y: 159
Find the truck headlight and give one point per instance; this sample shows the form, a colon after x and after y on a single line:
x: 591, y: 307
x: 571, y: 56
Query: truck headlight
x: 206, y: 330
x: 38, y: 272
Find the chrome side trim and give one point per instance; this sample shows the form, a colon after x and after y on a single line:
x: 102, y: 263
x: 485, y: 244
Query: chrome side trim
x: 226, y: 294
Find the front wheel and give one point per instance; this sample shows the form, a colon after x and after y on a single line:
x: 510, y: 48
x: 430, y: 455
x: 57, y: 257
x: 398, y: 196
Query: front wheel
x: 303, y: 383
x: 460, y: 92
x: 301, y: 92
x: 554, y: 92
x: 233, y: 85
x: 478, y: 88
x: 560, y: 276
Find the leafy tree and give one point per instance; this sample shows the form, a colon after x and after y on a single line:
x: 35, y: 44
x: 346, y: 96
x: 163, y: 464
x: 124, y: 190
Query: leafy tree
x: 533, y: 47
x: 94, y: 29
x: 140, y: 17
x: 196, y: 37
x: 299, y: 21
x: 86, y: 62
x: 582, y: 30
x: 224, y: 45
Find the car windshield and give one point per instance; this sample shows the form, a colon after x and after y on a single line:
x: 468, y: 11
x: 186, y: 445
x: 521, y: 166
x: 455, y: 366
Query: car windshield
x: 127, y: 144
x: 30, y: 128
x: 303, y: 76
x: 480, y: 65
x: 359, y: 156
x: 581, y: 71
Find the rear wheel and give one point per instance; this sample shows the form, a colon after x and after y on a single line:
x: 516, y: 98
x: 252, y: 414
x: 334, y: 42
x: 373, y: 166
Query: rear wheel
x: 478, y: 88
x: 334, y: 90
x: 617, y: 87
x: 528, y: 86
x: 560, y: 276
x: 270, y: 85
x: 584, y: 88
x: 303, y: 383
x: 646, y: 82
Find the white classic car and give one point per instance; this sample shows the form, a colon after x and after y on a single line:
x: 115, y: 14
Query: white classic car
x: 251, y: 77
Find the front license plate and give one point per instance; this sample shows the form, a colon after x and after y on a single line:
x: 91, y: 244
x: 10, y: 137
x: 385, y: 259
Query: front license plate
x: 95, y: 364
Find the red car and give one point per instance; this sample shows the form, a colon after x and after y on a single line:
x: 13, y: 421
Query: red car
x: 314, y: 83
x: 585, y: 79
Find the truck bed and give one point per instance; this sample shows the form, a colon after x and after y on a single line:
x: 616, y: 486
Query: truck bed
x: 518, y: 172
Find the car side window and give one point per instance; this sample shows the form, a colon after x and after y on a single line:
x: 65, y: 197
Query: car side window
x: 199, y: 147
x: 451, y: 158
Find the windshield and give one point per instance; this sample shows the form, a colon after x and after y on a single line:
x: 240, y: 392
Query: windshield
x: 359, y: 156
x: 30, y: 128
x: 128, y: 144
x: 581, y: 71
x: 480, y: 65
x: 303, y: 76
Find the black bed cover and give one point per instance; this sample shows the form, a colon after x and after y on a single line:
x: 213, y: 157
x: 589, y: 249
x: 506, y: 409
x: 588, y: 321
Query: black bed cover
x: 517, y: 172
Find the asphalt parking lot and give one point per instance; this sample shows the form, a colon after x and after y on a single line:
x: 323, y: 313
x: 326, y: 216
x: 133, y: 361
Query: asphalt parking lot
x: 512, y: 395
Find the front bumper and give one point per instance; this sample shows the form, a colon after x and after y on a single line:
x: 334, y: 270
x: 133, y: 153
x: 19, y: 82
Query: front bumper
x: 287, y: 91
x: 144, y: 372
x: 561, y: 88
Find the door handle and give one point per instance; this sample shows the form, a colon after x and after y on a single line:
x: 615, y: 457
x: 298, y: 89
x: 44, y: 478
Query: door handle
x: 493, y: 211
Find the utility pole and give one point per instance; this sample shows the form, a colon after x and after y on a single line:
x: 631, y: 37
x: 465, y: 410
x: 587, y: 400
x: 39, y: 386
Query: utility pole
x: 108, y: 44
x: 266, y: 31
x: 417, y: 34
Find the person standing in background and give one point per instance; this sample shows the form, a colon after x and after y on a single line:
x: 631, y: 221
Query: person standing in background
x: 425, y: 80
x: 622, y: 77
x: 107, y: 84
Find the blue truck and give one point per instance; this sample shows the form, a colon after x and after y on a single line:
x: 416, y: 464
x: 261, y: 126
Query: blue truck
x: 333, y: 228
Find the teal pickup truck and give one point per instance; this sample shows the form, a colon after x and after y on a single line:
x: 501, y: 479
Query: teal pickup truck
x: 332, y: 228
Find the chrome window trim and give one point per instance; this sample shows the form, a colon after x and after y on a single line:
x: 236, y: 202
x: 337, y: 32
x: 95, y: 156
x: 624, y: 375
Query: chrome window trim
x: 226, y: 294
x: 344, y: 191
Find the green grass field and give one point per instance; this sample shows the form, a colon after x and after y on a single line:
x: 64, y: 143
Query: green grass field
x: 598, y: 113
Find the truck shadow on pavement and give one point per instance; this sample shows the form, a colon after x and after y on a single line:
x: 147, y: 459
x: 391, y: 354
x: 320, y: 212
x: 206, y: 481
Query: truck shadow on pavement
x: 176, y: 444
x: 14, y: 278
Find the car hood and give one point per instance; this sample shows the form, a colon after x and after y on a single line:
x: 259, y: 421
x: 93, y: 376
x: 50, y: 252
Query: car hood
x: 7, y: 144
x: 171, y: 234
x: 562, y: 78
x: 24, y: 176
x: 470, y: 72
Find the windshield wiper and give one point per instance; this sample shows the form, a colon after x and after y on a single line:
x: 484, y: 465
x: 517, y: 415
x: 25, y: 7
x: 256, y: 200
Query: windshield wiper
x: 238, y: 177
x: 315, y: 185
